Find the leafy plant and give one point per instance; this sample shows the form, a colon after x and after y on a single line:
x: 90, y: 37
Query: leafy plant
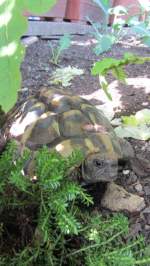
x: 135, y: 126
x: 45, y: 221
x: 116, y: 67
x: 11, y: 49
x: 142, y: 28
x: 63, y: 44
x: 105, y: 36
x: 65, y: 75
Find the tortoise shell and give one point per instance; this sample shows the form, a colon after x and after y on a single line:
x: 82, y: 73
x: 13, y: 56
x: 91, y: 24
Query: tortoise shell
x: 67, y: 122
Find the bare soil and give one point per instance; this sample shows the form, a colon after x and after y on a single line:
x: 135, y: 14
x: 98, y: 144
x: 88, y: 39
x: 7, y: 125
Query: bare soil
x: 127, y: 99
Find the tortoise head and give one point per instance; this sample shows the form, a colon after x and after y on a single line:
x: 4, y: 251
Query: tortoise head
x: 97, y: 167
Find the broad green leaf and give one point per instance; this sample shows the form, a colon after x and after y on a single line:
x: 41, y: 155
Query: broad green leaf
x: 129, y: 120
x: 11, y: 51
x: 141, y: 117
x: 100, y: 67
x: 12, y: 26
x: 39, y: 6
x: 104, y: 44
x: 119, y: 73
x: 137, y: 132
x: 115, y: 66
x: 135, y: 126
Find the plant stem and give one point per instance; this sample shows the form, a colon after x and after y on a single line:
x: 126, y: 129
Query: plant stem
x: 95, y: 245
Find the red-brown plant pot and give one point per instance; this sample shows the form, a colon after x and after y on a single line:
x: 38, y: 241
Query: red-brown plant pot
x: 80, y: 10
x: 57, y: 12
x: 133, y: 7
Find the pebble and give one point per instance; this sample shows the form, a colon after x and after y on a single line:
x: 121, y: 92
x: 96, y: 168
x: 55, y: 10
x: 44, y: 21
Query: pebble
x: 133, y: 177
x: 147, y: 227
x: 25, y: 89
x: 138, y: 188
x: 147, y: 190
x: 126, y: 172
x: 29, y: 40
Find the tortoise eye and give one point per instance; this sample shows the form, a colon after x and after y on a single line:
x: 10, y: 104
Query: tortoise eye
x: 98, y: 163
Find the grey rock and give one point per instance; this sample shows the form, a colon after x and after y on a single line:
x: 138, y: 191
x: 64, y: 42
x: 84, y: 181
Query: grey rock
x: 117, y: 198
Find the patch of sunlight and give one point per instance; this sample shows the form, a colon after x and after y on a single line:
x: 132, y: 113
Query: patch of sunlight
x: 107, y: 109
x: 139, y: 83
x: 140, y: 132
x: 19, y: 126
x: 84, y: 43
x: 8, y: 50
x: 100, y: 96
x: 2, y: 2
x: 131, y: 42
x: 6, y: 16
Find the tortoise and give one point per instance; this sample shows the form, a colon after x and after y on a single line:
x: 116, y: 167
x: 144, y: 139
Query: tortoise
x: 65, y: 122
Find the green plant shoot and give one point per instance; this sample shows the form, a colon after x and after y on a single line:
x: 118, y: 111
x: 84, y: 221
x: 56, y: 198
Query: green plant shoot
x: 105, y: 36
x: 116, y: 67
x: 63, y: 44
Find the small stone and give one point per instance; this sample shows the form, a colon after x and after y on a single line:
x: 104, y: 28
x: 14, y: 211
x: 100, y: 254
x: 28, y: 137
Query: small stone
x: 147, y: 227
x: 138, y: 188
x: 148, y: 218
x: 116, y: 198
x: 147, y: 190
x: 25, y: 89
x: 29, y: 40
x: 132, y: 178
x: 146, y: 210
x: 126, y: 172
x: 145, y: 103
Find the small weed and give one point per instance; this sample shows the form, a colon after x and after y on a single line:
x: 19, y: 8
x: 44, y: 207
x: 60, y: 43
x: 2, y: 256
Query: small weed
x: 64, y: 43
x: 65, y: 75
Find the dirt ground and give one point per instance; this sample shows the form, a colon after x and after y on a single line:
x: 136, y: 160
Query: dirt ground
x: 127, y: 99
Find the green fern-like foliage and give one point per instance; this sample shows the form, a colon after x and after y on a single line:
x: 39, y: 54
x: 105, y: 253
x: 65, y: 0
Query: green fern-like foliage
x: 116, y: 68
x: 44, y: 218
x: 13, y: 24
